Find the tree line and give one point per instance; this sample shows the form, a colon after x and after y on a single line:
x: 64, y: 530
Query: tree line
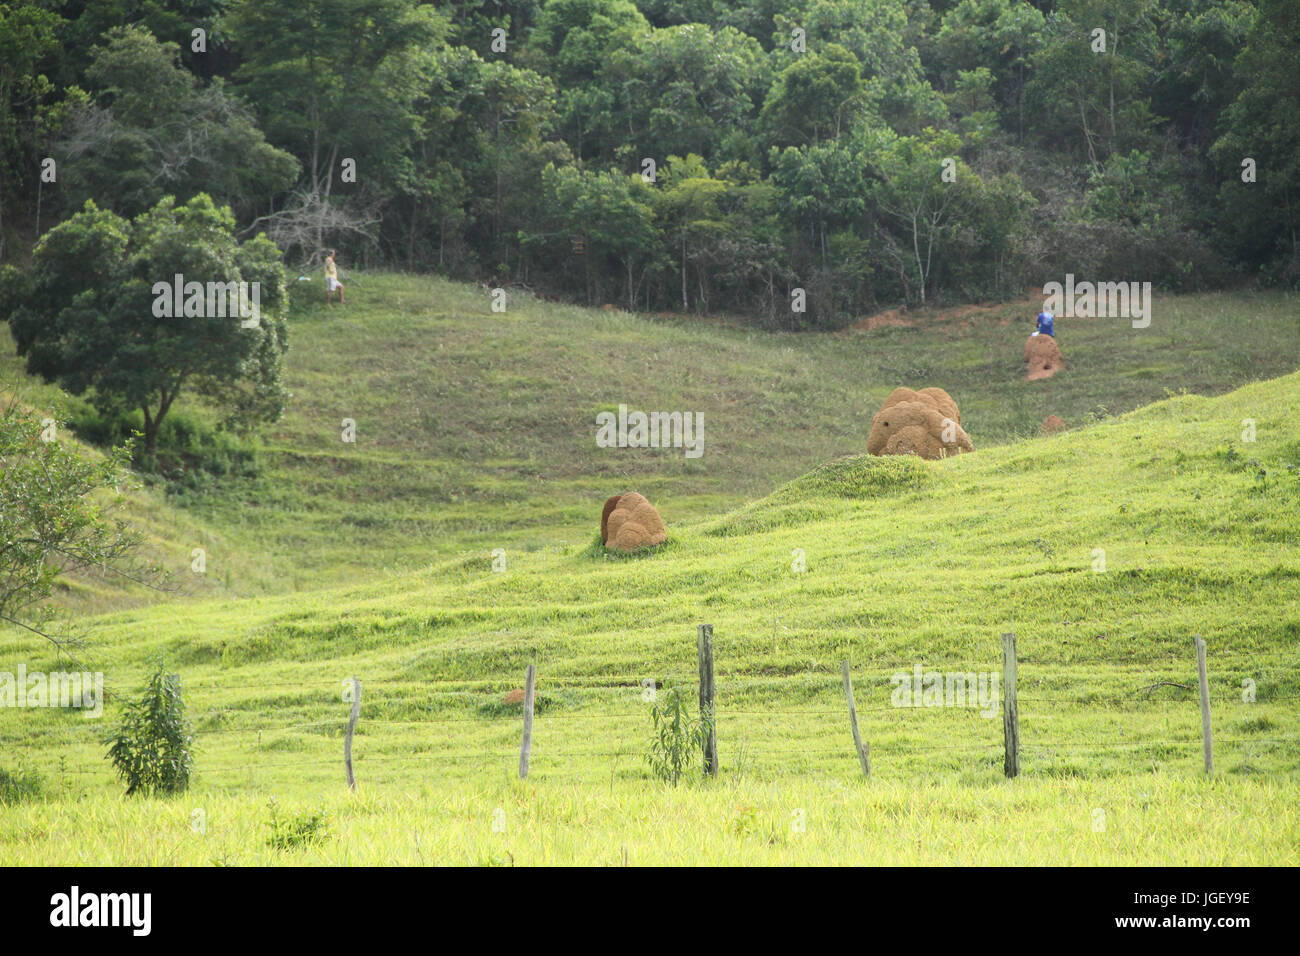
x: 696, y: 155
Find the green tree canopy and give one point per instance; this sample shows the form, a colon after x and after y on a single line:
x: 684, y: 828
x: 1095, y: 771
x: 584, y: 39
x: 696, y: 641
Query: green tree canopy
x: 816, y: 97
x: 86, y: 315
x: 1262, y: 218
x: 155, y: 130
x: 685, y: 89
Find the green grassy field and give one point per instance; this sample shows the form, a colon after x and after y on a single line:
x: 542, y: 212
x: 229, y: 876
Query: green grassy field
x: 1149, y: 819
x: 907, y: 563
x: 475, y: 430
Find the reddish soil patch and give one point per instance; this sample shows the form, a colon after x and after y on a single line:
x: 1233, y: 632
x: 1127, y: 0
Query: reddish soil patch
x: 891, y: 318
x: 963, y: 316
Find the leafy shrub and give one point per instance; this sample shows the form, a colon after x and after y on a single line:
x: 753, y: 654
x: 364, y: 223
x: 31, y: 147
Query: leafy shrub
x: 291, y: 830
x: 189, y: 447
x: 306, y: 287
x: 152, y: 750
x: 677, y: 737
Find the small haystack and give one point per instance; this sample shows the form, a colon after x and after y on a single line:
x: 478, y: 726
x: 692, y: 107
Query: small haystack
x: 1042, y: 357
x: 926, y: 423
x: 629, y: 522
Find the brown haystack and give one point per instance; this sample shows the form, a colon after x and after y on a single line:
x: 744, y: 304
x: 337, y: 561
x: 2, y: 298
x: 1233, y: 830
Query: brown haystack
x: 1042, y: 357
x: 604, y: 517
x: 936, y: 398
x: 629, y: 522
x: 1052, y: 424
x: 925, y: 423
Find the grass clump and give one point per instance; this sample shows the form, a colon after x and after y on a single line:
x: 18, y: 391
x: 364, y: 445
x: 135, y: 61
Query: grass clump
x: 20, y: 786
x: 291, y: 830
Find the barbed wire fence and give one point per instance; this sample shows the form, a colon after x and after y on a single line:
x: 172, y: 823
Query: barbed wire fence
x: 454, y: 703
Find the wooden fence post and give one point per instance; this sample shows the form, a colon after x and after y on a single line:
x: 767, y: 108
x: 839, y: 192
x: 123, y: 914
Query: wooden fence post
x: 862, y: 749
x: 705, y: 647
x: 1010, y: 710
x: 1206, y: 737
x: 352, y: 726
x: 526, y: 750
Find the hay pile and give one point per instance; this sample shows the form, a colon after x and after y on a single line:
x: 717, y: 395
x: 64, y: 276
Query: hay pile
x: 1042, y: 357
x: 629, y: 522
x: 926, y: 423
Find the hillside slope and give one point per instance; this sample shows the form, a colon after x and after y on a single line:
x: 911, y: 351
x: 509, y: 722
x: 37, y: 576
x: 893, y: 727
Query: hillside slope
x: 906, y: 562
x: 476, y: 430
x: 168, y: 538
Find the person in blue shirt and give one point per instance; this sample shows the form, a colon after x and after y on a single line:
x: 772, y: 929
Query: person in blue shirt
x: 1045, y: 320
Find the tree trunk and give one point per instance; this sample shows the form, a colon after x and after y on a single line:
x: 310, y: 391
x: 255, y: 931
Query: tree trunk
x: 1020, y: 102
x: 1114, y: 49
x: 410, y: 241
x: 1087, y: 134
x: 150, y: 431
x: 916, y: 252
x: 496, y: 206
x: 684, y: 305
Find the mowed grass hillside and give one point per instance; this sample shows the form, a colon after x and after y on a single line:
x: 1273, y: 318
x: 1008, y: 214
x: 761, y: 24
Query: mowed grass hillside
x: 1104, y: 549
x: 476, y: 430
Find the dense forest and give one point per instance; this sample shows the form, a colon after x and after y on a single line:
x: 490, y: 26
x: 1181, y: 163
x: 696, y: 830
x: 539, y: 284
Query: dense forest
x: 698, y: 155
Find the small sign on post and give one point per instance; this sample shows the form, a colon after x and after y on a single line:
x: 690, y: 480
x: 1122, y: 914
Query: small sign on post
x: 707, y: 713
x: 1010, y: 710
x: 1206, y: 737
x: 526, y: 749
x: 352, y: 726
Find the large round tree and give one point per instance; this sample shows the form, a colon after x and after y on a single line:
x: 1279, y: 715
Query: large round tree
x: 97, y: 312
